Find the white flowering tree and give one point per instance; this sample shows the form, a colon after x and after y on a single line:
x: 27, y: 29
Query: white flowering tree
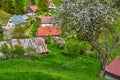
x: 92, y: 21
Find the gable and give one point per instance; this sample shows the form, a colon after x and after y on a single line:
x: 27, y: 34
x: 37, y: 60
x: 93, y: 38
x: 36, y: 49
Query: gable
x: 114, y: 67
x: 29, y: 10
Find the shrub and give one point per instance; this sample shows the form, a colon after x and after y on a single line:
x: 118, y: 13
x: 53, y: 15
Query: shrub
x: 30, y: 53
x: 17, y: 49
x: 73, y: 47
x: 4, y: 49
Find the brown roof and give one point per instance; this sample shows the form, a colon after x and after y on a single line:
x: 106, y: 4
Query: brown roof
x: 47, y: 19
x: 48, y: 30
x: 50, y: 1
x: 37, y: 43
x: 114, y: 67
x: 33, y: 8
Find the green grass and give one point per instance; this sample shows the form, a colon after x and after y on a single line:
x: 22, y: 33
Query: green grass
x: 53, y: 66
x: 57, y: 2
x: 4, y: 17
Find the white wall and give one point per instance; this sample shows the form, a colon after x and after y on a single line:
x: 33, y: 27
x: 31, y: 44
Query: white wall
x: 9, y: 25
x: 30, y: 14
x: 46, y: 25
x: 110, y: 77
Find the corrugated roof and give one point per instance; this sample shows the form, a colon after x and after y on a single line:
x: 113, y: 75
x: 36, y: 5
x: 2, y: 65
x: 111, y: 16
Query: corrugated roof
x: 114, y: 67
x: 37, y: 43
x: 25, y: 17
x: 48, y: 30
x: 47, y: 19
x: 17, y: 19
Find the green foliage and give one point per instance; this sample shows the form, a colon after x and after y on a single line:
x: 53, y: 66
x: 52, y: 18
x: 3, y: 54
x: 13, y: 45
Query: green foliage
x: 20, y: 6
x: 19, y: 32
x: 53, y: 67
x: 31, y: 53
x: 17, y: 49
x: 49, y: 39
x: 18, y: 52
x: 4, y: 17
x: 57, y: 2
x: 5, y: 49
x: 43, y: 5
x: 35, y: 23
x: 73, y: 47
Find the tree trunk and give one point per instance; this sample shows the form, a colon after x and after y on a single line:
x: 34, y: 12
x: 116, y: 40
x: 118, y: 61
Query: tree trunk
x: 102, y: 73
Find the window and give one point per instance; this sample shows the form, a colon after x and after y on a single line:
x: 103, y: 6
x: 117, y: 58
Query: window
x: 10, y: 21
x: 8, y: 25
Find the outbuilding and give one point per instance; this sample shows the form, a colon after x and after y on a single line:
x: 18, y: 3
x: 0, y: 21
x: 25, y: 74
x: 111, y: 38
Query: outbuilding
x: 31, y: 10
x: 112, y: 71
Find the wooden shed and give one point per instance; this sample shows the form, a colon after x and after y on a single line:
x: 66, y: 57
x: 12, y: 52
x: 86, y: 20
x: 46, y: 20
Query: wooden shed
x: 112, y: 71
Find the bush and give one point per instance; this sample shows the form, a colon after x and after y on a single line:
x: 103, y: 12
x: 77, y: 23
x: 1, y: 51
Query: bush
x: 12, y: 52
x: 6, y: 51
x: 30, y: 53
x: 73, y: 47
x: 17, y: 51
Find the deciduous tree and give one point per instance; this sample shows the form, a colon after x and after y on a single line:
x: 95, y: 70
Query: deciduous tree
x: 91, y: 21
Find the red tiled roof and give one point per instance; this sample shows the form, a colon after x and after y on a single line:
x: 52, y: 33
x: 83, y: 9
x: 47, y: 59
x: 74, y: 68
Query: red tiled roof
x: 47, y: 19
x: 114, y: 67
x: 34, y: 8
x: 48, y: 30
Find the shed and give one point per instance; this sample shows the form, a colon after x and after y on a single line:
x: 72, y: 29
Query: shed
x: 31, y: 10
x: 37, y: 43
x: 112, y: 71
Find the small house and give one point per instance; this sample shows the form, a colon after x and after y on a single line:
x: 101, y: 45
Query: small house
x: 46, y: 31
x: 47, y: 20
x: 52, y: 7
x: 16, y: 20
x: 112, y: 71
x: 50, y: 1
x: 31, y: 10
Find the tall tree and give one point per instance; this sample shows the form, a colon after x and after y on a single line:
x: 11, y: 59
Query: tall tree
x: 19, y: 6
x: 31, y: 2
x: 91, y: 20
x: 43, y: 5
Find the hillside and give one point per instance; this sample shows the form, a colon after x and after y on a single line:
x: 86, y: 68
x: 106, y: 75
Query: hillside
x: 54, y: 66
x: 4, y: 17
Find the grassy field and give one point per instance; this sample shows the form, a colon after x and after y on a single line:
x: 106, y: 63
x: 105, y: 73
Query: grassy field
x: 4, y: 17
x: 54, y: 66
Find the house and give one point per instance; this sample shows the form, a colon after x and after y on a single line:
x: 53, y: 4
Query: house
x: 50, y: 1
x: 37, y: 43
x: 112, y: 71
x: 52, y: 7
x: 46, y: 31
x: 31, y: 10
x: 47, y: 20
x: 15, y: 20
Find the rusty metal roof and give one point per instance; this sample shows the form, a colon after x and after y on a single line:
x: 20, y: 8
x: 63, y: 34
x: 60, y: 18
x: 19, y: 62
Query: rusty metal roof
x: 37, y: 43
